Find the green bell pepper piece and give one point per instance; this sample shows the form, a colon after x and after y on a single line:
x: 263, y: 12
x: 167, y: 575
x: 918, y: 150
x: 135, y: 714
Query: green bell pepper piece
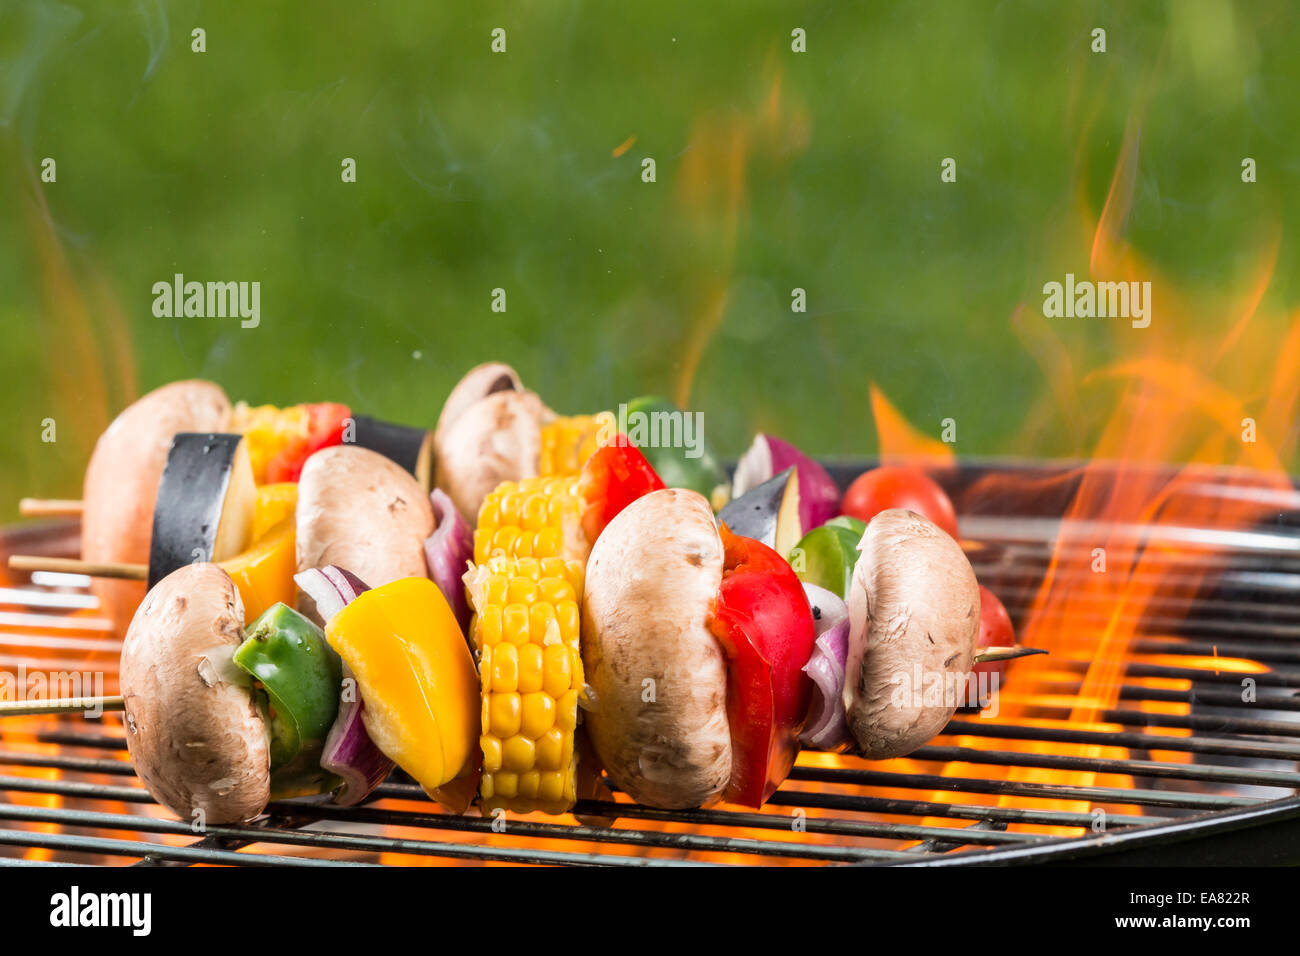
x: 856, y: 525
x: 826, y: 556
x: 300, y: 675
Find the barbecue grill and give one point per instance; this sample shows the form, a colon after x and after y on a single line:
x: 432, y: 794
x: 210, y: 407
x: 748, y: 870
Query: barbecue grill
x: 1182, y: 766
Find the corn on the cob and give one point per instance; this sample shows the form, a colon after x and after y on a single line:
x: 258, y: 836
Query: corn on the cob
x: 568, y: 442
x: 532, y: 518
x: 526, y: 631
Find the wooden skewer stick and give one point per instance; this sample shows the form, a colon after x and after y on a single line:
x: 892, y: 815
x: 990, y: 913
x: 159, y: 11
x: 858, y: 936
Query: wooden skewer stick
x: 1006, y: 652
x: 49, y: 508
x: 96, y: 569
x: 61, y: 705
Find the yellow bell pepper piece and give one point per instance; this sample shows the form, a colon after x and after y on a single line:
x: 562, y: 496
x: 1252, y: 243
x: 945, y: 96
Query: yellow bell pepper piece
x: 268, y: 429
x: 264, y: 572
x: 416, y: 677
x: 274, y: 504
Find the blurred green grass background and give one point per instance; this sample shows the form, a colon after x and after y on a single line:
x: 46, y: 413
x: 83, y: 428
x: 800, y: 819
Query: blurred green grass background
x: 477, y: 170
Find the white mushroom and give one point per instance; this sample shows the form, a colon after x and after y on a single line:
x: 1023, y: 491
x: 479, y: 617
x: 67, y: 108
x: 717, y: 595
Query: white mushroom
x: 196, y: 737
x: 360, y: 511
x: 476, y: 384
x: 914, y: 611
x: 659, y: 716
x: 496, y: 439
x: 122, y: 481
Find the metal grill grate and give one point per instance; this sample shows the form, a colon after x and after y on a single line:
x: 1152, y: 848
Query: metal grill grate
x: 1200, y: 762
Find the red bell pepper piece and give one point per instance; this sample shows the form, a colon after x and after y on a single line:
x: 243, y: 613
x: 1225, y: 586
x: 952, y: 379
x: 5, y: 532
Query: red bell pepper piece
x: 764, y: 623
x: 326, y: 422
x: 616, y: 475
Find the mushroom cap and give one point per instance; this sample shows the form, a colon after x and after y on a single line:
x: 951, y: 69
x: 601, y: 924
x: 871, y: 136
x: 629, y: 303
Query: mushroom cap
x: 195, y: 734
x: 659, y: 718
x: 361, y: 511
x: 496, y: 439
x: 478, y: 383
x: 122, y: 478
x: 914, y: 611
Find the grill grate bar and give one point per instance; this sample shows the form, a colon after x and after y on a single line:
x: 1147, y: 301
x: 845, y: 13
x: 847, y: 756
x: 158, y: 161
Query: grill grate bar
x: 655, y: 838
x: 1274, y: 678
x: 101, y: 846
x: 1230, y: 647
x: 1226, y: 628
x: 839, y: 827
x: 1286, y: 780
x: 1204, y: 772
x: 1046, y: 791
x: 76, y: 788
x: 62, y: 762
x: 1027, y: 557
x: 1143, y: 718
x: 59, y: 621
x: 1136, y: 693
x: 1132, y: 741
x: 271, y: 834
x: 1192, y: 608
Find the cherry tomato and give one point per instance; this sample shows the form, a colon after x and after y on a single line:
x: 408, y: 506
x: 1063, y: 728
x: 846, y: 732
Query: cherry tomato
x: 995, y: 631
x: 893, y: 486
x: 765, y: 625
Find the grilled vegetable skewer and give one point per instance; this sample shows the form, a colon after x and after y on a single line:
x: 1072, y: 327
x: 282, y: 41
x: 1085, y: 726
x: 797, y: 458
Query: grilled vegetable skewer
x: 683, y: 643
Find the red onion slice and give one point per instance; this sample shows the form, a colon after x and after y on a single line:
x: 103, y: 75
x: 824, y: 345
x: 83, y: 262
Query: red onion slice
x: 826, y: 727
x: 819, y: 496
x: 448, y: 551
x: 349, y: 753
x: 330, y: 587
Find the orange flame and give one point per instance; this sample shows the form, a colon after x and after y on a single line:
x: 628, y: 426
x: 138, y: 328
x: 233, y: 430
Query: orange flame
x: 1178, y: 397
x: 901, y: 443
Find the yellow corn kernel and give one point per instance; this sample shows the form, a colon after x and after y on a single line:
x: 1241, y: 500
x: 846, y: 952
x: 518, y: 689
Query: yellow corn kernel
x: 550, y: 749
x: 492, y: 753
x: 529, y: 783
x: 541, y: 617
x: 566, y: 613
x: 522, y: 590
x: 566, y: 711
x: 568, y: 442
x: 530, y: 668
x: 552, y: 787
x: 538, y: 714
x: 504, y: 714
x: 517, y: 754
x: 531, y: 676
x: 504, y: 668
x: 514, y: 622
x: 507, y: 784
x: 557, y: 674
x: 532, y: 518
